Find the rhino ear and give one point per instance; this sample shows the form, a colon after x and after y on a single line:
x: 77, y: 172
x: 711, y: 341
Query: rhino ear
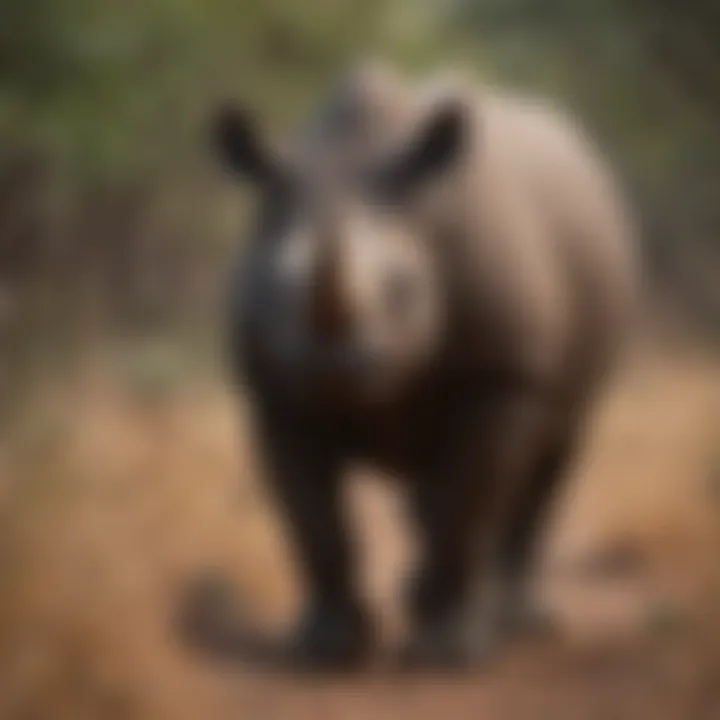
x: 240, y: 148
x: 433, y: 150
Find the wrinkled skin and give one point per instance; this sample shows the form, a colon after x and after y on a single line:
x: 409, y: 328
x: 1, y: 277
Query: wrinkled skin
x: 406, y: 300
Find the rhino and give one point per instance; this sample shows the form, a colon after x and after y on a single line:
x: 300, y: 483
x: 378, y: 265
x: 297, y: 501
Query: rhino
x: 439, y: 280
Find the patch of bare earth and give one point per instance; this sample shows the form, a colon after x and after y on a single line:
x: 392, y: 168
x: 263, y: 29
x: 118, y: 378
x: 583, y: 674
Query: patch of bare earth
x: 111, y: 501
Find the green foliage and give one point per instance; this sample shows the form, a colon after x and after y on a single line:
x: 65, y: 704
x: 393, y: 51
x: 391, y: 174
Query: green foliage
x: 116, y: 85
x: 104, y: 103
x: 119, y: 86
x: 600, y: 55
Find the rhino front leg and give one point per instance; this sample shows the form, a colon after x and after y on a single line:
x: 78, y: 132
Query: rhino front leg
x: 302, y: 465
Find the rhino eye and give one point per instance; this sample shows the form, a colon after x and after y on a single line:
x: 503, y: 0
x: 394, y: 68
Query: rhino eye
x: 401, y: 289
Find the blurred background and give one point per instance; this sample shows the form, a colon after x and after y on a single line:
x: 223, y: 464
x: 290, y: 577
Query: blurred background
x: 125, y: 467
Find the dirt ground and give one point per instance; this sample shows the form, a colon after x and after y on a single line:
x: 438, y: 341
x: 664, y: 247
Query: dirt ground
x: 115, y: 495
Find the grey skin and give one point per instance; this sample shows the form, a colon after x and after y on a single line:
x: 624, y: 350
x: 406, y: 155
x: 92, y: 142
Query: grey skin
x: 442, y: 296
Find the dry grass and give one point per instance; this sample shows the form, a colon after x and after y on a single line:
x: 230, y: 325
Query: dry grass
x: 111, y: 498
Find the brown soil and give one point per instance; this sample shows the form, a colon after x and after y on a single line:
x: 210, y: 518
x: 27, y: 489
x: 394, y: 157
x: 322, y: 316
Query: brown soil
x: 111, y: 502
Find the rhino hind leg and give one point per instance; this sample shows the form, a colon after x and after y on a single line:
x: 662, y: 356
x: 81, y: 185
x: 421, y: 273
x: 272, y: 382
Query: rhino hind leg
x: 441, y: 593
x: 523, y: 613
x: 480, y: 512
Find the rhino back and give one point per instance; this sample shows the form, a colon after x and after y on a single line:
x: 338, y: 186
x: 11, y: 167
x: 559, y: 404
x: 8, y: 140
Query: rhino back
x: 537, y: 239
